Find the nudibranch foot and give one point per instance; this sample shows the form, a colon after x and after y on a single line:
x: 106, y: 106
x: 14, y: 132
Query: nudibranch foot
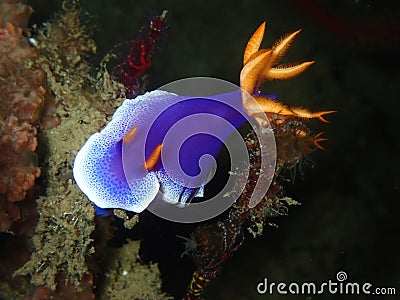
x: 99, y: 173
x: 98, y: 167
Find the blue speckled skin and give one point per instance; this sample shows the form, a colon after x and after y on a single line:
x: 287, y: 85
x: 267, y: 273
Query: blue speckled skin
x: 111, y: 173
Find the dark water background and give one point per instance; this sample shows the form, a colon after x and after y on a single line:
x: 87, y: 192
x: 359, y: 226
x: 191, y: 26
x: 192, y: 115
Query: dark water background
x: 348, y: 220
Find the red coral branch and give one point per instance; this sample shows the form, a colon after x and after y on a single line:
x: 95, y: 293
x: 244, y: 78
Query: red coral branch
x: 133, y: 65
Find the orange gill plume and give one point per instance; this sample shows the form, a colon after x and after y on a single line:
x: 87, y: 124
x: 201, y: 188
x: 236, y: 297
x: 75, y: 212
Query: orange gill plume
x: 262, y: 64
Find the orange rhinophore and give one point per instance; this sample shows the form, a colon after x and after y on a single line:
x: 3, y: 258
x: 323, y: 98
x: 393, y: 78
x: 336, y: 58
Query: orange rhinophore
x: 130, y: 135
x: 153, y: 158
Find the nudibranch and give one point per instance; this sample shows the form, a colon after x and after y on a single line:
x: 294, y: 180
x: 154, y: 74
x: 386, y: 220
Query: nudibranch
x: 134, y: 159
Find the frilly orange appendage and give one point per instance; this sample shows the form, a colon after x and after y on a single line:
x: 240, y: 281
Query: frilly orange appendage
x: 254, y: 43
x: 307, y: 114
x: 260, y: 65
x: 317, y: 139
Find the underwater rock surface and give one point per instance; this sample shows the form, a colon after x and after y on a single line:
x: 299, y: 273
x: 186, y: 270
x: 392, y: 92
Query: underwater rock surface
x: 54, y: 262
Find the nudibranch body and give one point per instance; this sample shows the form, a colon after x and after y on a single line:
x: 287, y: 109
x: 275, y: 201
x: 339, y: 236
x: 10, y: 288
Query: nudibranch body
x: 134, y: 158
x: 111, y: 167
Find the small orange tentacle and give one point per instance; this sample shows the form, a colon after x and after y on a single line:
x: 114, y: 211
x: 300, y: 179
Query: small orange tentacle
x: 254, y: 43
x: 280, y: 46
x: 307, y: 114
x: 268, y: 105
x: 320, y: 115
x: 317, y: 139
x: 278, y: 51
x: 153, y: 158
x: 286, y: 72
x: 250, y: 74
x: 130, y: 135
